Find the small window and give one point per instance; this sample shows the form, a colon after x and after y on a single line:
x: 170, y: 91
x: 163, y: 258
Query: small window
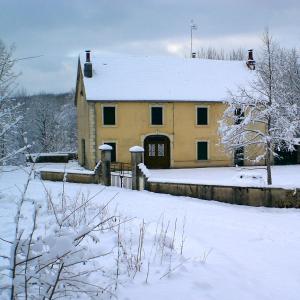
x: 202, y: 116
x: 238, y: 116
x: 160, y: 149
x: 156, y: 115
x: 202, y: 150
x: 83, y: 151
x: 109, y: 115
x: 113, y: 152
x: 151, y: 149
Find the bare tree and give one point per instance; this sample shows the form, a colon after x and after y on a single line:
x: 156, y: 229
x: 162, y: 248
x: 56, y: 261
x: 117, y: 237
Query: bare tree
x: 9, y: 108
x: 50, y: 122
x: 221, y: 54
x: 7, y: 75
x: 263, y: 115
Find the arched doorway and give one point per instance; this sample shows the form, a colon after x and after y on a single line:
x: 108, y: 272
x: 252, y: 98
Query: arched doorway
x: 157, y: 152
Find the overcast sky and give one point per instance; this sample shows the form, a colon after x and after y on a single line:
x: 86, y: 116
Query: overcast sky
x: 61, y: 29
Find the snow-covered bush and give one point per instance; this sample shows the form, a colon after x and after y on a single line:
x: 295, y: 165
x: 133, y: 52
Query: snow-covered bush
x: 65, y: 247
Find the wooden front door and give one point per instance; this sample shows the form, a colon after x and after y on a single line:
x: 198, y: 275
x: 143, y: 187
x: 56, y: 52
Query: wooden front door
x: 157, y: 152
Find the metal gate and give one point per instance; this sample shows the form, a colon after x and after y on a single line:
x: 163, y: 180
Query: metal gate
x: 121, y: 175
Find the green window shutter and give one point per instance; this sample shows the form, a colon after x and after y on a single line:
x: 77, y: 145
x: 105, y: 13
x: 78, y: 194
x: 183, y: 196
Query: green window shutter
x: 202, y: 150
x: 109, y: 115
x: 202, y: 117
x: 156, y: 115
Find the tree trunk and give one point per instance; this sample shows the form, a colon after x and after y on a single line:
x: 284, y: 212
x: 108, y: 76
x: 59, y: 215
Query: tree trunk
x: 268, y: 163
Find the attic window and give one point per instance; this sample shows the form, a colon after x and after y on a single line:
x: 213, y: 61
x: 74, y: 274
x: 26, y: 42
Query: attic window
x: 156, y: 115
x: 109, y: 115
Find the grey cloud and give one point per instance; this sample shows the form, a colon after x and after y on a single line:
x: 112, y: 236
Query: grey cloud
x: 59, y: 29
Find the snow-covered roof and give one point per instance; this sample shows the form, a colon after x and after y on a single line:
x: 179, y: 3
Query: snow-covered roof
x: 163, y: 79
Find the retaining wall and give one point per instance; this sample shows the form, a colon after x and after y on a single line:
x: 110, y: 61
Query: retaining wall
x: 70, y: 177
x: 252, y: 196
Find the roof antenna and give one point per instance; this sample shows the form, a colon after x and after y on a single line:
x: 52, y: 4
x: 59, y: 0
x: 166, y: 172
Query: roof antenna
x: 193, y: 26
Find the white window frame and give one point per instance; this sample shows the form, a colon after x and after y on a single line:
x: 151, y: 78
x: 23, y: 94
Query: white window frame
x: 208, y: 150
x: 163, y: 115
x: 196, y: 115
x: 102, y: 114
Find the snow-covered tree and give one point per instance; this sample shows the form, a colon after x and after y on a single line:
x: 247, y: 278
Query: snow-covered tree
x: 66, y: 122
x: 10, y: 115
x: 221, y: 54
x: 51, y: 122
x: 265, y: 114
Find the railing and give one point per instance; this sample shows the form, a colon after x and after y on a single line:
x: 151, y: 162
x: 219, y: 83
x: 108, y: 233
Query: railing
x: 121, y: 175
x: 124, y: 168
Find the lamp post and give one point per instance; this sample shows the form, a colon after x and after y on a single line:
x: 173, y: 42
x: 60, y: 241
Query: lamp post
x: 193, y: 27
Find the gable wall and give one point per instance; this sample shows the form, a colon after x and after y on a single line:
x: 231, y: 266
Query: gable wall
x: 86, y: 126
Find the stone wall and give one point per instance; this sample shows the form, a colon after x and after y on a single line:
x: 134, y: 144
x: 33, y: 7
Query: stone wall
x: 252, y: 196
x: 70, y: 177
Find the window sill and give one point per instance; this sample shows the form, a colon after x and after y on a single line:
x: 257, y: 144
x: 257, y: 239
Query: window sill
x: 109, y: 126
x: 156, y: 125
x: 202, y: 126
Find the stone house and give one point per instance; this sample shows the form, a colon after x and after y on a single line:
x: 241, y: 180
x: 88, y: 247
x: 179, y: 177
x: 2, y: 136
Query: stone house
x: 168, y: 105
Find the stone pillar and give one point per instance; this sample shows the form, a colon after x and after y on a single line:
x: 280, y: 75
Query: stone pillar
x: 137, y: 157
x: 105, y: 164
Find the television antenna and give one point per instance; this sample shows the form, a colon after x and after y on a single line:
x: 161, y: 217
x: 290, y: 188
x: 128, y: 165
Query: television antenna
x: 193, y: 27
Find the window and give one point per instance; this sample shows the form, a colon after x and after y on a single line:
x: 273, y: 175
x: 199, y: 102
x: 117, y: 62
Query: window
x: 239, y: 156
x: 109, y: 115
x: 160, y: 149
x: 202, y: 115
x: 113, y: 152
x: 202, y: 150
x: 83, y: 152
x: 156, y: 115
x: 151, y: 149
x: 238, y: 116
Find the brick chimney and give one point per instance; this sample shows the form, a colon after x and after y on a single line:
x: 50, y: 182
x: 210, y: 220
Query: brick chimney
x: 88, y: 68
x: 250, y: 62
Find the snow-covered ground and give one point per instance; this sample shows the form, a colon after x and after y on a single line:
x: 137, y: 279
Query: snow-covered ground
x: 283, y: 176
x: 230, y: 252
x: 71, y: 166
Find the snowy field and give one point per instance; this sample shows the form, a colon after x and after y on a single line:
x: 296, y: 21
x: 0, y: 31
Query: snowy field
x: 229, y: 252
x: 283, y: 176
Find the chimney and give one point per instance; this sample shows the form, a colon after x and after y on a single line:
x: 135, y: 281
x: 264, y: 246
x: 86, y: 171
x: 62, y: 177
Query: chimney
x: 194, y: 55
x: 88, y: 68
x: 250, y: 62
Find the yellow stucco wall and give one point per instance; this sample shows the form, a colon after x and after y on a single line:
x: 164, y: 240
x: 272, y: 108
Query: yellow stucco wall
x: 133, y: 125
x: 83, y: 126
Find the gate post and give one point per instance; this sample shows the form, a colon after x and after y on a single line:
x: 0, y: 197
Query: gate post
x: 105, y: 162
x: 137, y: 157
